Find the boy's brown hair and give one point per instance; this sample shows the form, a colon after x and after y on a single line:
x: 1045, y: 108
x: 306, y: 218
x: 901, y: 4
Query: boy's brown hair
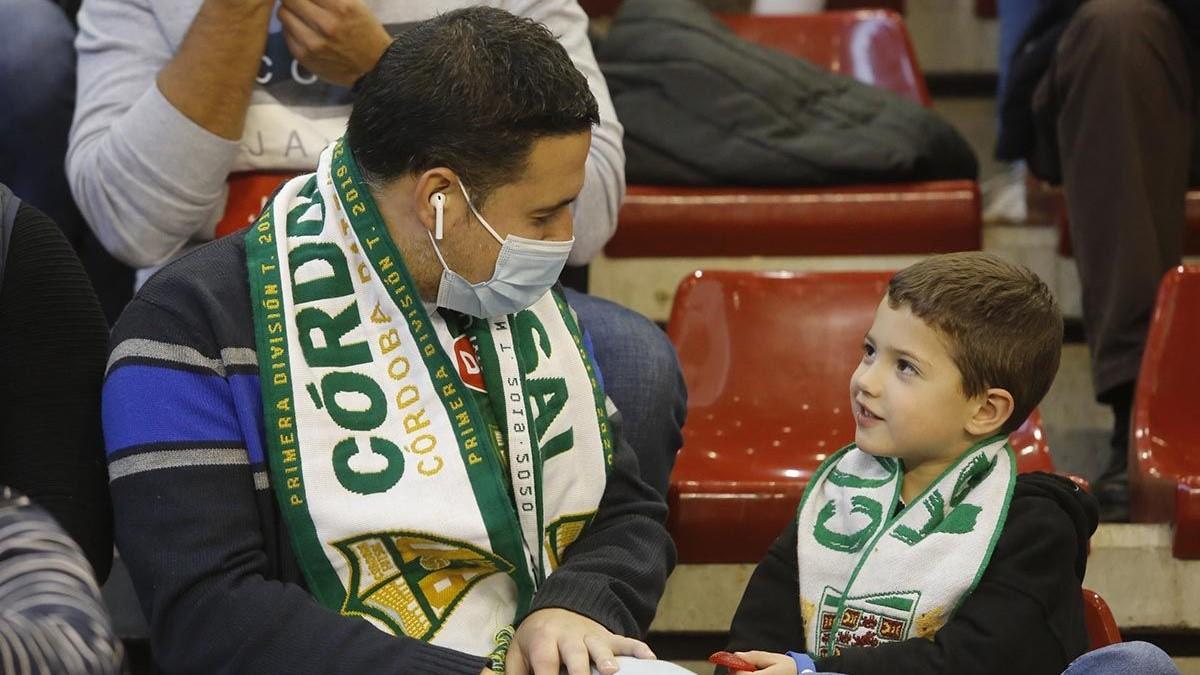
x: 1001, y: 323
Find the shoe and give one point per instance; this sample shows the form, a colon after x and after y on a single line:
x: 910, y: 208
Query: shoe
x: 1004, y: 197
x: 1111, y: 489
x: 1112, y: 492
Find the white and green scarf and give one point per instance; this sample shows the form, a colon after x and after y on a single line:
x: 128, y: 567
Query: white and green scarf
x: 432, y: 469
x: 869, y: 575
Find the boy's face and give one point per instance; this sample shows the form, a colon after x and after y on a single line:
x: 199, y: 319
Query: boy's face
x: 906, y: 393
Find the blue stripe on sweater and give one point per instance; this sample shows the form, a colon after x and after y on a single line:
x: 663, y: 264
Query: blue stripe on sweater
x: 145, y: 404
x: 247, y: 396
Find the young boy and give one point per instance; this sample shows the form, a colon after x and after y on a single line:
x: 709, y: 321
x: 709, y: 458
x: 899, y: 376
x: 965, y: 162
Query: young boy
x: 918, y: 549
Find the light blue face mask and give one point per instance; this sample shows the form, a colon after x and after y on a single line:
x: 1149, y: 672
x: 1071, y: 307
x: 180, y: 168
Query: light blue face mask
x: 525, y: 270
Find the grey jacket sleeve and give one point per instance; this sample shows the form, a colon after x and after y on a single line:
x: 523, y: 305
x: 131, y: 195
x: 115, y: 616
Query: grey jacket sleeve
x: 146, y: 177
x: 604, y: 185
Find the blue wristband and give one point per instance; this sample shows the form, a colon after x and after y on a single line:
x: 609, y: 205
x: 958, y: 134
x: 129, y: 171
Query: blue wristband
x: 804, y: 663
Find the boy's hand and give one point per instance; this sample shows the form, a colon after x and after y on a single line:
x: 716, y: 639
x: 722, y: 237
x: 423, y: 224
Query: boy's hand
x: 551, y: 639
x: 770, y: 664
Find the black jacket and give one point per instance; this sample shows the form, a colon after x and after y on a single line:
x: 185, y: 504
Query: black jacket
x: 1025, y: 616
x: 702, y: 106
x: 53, y: 345
x: 1018, y: 126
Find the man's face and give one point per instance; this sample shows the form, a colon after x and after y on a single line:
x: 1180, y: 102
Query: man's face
x: 906, y: 393
x: 536, y: 206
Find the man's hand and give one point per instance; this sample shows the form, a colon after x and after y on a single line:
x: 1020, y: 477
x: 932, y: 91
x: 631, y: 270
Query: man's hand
x: 550, y: 639
x: 337, y: 40
x: 769, y: 664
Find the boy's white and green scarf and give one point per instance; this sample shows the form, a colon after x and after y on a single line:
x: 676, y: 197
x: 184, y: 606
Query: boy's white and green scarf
x: 432, y: 469
x: 869, y: 575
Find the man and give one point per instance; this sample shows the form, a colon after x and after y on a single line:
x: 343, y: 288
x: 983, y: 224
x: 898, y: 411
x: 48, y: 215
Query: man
x: 365, y: 436
x: 177, y: 97
x: 1103, y: 98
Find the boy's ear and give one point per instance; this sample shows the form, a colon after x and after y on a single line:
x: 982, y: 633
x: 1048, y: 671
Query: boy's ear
x: 995, y: 408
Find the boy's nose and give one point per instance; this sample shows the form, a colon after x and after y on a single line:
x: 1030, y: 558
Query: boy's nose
x: 867, y: 380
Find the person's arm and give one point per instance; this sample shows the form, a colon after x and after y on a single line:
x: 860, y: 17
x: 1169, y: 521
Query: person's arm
x: 177, y: 411
x: 608, y: 585
x: 53, y: 342
x: 156, y: 132
x: 617, y: 570
x: 603, y: 192
x: 1013, y: 622
x: 54, y: 622
x: 211, y: 76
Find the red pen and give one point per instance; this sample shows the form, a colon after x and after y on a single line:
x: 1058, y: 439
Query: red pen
x: 732, y: 662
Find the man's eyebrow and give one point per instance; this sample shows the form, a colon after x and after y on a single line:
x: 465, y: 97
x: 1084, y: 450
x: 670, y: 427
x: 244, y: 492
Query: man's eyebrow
x: 565, y: 202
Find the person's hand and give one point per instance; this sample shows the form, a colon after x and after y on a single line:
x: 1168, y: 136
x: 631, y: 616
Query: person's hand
x: 337, y: 40
x: 487, y: 671
x: 550, y: 639
x: 769, y: 663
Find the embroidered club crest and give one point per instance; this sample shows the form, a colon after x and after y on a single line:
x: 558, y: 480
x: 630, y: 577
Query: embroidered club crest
x: 411, y: 582
x: 563, y: 532
x: 866, y: 621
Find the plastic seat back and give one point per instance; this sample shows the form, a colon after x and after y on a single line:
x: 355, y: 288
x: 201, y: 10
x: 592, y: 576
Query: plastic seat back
x: 870, y: 45
x: 1165, y: 448
x: 767, y: 358
x: 1101, y: 626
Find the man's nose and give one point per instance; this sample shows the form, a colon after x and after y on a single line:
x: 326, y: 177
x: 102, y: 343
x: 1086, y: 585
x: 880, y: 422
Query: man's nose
x: 564, y: 231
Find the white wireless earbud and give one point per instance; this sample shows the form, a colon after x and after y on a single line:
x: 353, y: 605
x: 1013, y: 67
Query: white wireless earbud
x: 439, y: 206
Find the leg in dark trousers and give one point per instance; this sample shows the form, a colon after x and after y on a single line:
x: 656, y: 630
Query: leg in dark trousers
x: 1120, y: 98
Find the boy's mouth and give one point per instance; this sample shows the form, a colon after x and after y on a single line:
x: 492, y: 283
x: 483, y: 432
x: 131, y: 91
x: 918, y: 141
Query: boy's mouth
x: 864, y: 416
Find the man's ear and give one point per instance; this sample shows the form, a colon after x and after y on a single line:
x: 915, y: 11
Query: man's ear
x: 426, y: 201
x: 995, y: 407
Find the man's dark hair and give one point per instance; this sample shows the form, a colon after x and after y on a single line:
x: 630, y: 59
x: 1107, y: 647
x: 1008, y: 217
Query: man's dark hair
x: 470, y: 90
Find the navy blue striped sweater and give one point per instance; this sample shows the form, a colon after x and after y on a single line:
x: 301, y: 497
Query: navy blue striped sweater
x: 197, y: 524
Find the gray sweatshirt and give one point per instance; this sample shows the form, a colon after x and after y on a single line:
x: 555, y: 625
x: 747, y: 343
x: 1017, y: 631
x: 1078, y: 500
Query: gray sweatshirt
x: 150, y: 181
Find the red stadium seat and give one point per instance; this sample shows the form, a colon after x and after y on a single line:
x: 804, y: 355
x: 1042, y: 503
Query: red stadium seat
x: 1101, y: 626
x: 248, y: 194
x: 609, y: 7
x: 600, y: 7
x: 905, y: 218
x: 1164, y: 458
x: 909, y: 218
x: 894, y: 5
x: 871, y: 46
x: 767, y: 357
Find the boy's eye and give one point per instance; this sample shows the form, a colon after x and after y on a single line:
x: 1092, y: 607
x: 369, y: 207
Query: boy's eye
x: 868, y: 350
x: 905, y: 366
